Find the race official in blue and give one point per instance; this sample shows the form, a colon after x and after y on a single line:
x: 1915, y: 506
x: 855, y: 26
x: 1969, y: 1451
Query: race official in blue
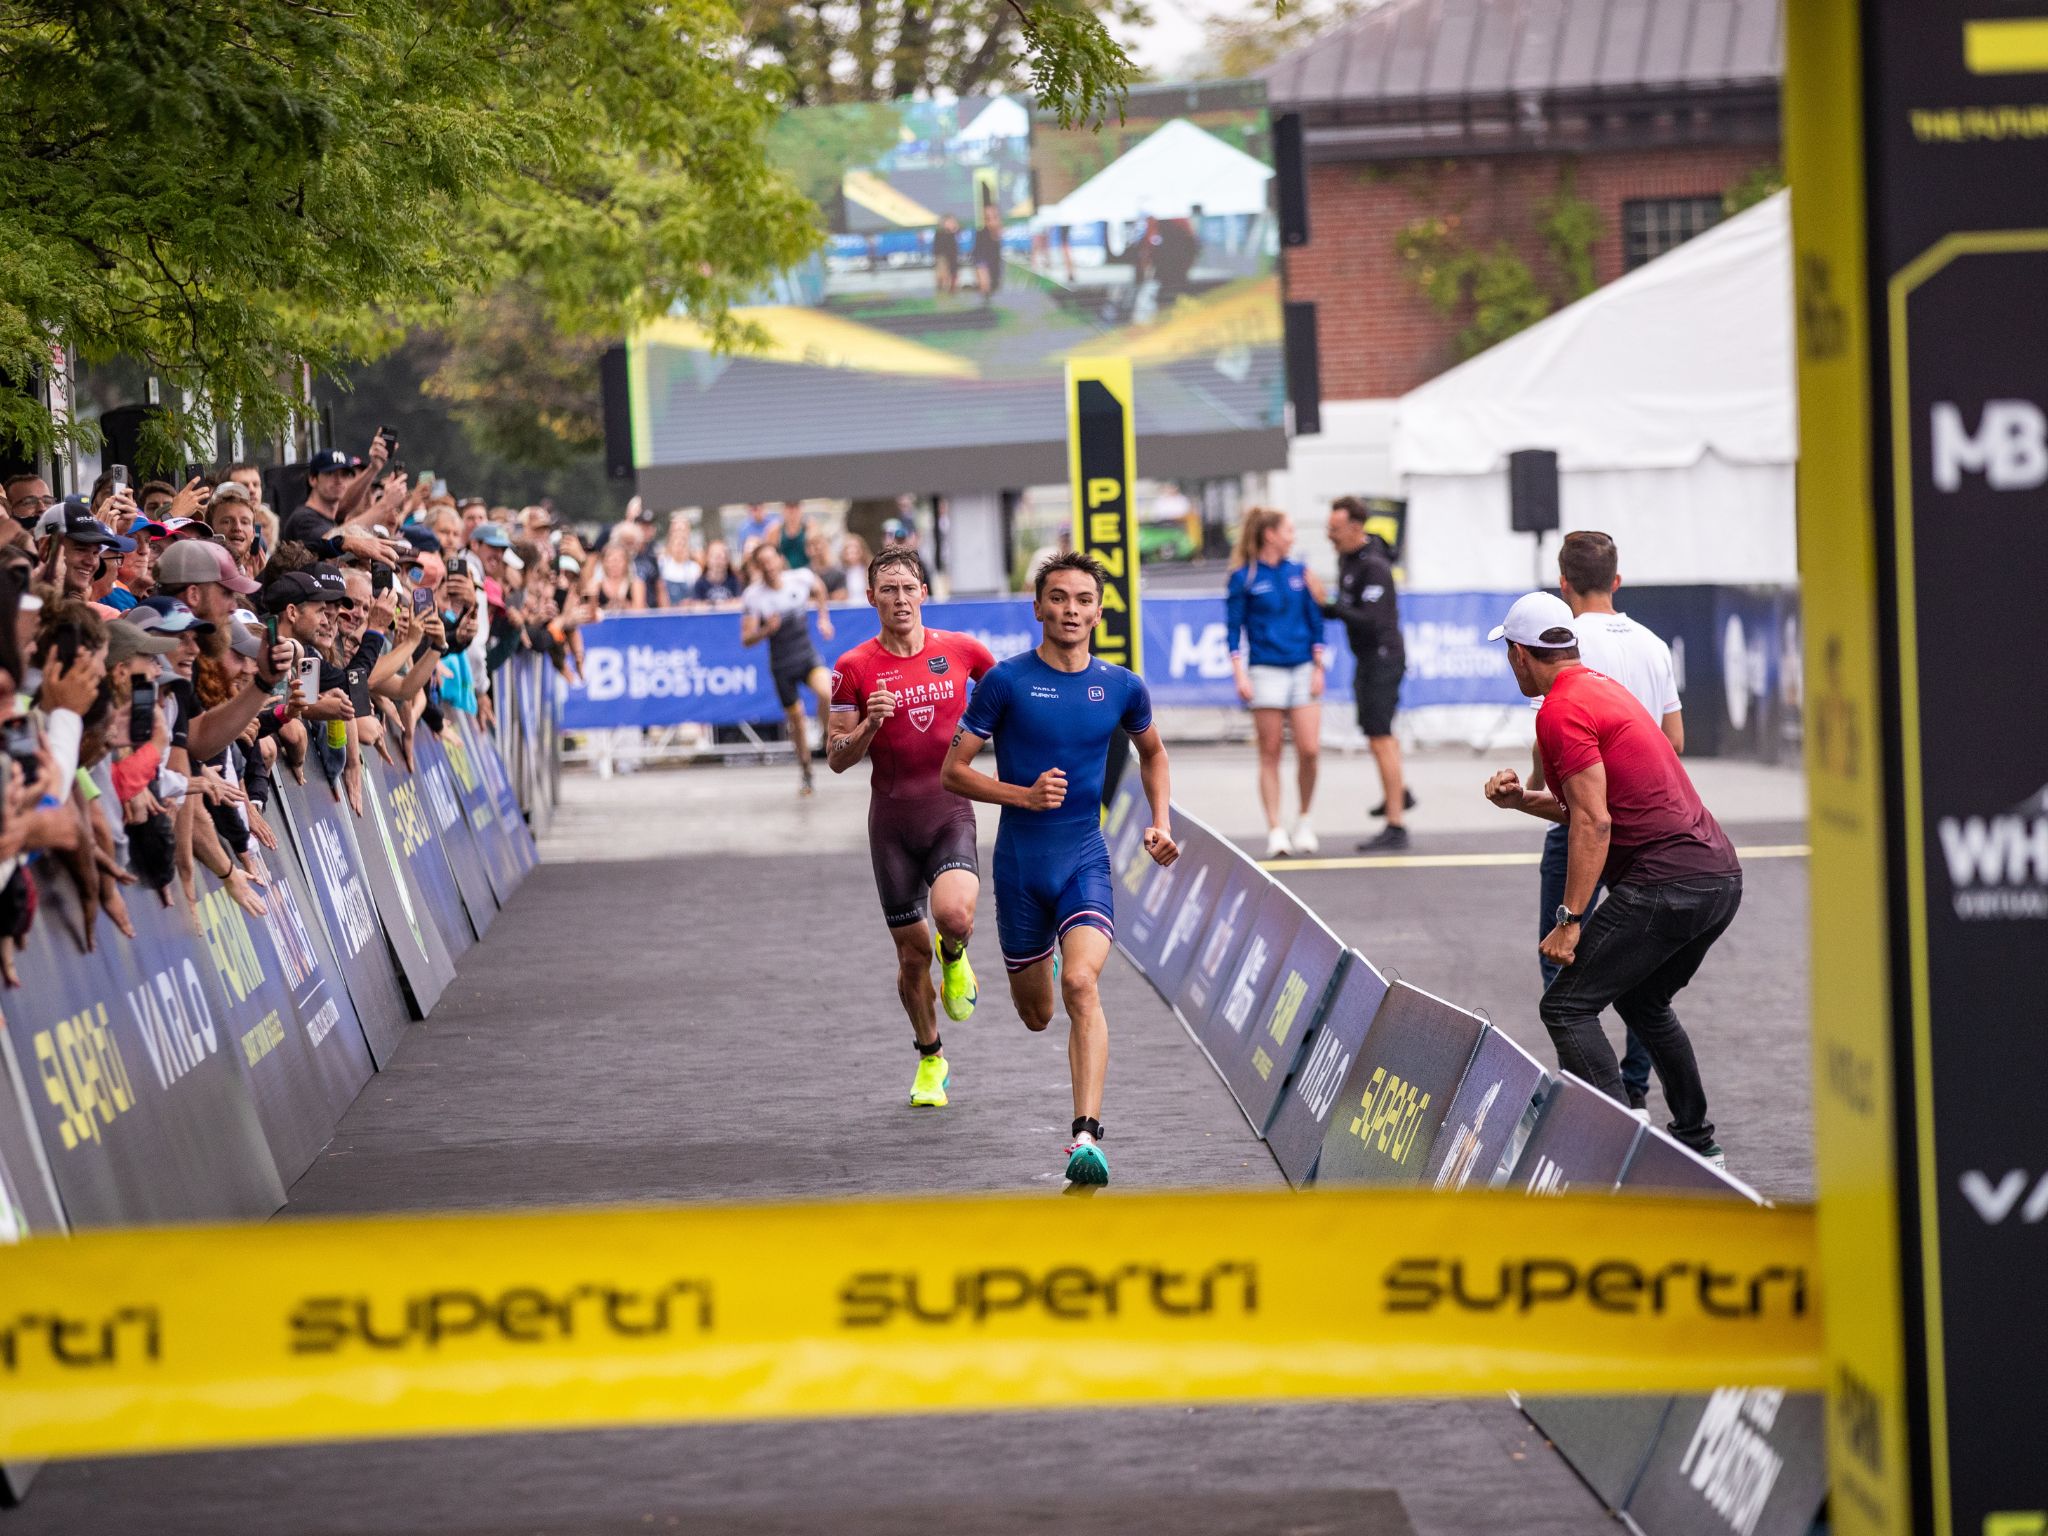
x: 1052, y: 712
x: 1275, y: 603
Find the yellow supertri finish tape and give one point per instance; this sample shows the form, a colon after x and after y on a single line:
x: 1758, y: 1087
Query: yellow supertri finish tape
x: 178, y: 1338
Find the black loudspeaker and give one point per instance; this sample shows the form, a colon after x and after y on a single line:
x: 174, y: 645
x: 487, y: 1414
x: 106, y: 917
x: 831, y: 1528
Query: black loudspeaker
x: 612, y: 378
x: 284, y: 488
x: 1290, y: 178
x: 1304, y: 368
x: 121, y: 443
x: 1532, y: 490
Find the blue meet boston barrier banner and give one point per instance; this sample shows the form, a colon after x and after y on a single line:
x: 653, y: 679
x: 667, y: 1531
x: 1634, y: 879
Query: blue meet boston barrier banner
x: 680, y: 668
x: 1351, y: 1079
x: 1737, y: 650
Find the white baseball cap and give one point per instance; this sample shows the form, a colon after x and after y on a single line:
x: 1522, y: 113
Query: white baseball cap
x: 1535, y: 616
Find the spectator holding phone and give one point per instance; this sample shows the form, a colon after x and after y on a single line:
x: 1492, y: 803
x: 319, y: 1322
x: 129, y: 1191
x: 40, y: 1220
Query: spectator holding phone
x: 337, y: 489
x: 232, y: 517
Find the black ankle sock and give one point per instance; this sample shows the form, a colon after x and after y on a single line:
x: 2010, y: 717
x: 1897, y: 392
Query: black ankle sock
x: 957, y: 950
x: 937, y: 1047
x: 1089, y: 1124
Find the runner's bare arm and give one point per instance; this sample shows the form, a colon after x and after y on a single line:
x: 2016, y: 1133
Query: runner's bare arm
x: 848, y: 734
x: 1152, y: 772
x: 752, y: 630
x: 962, y: 778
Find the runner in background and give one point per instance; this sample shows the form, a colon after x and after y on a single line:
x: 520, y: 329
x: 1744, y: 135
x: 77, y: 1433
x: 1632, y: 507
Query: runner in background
x: 1052, y: 712
x: 896, y: 701
x: 772, y: 609
x: 1275, y: 612
x: 1370, y: 611
x: 1588, y: 575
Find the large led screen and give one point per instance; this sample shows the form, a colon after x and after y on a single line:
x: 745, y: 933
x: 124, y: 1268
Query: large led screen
x: 970, y: 252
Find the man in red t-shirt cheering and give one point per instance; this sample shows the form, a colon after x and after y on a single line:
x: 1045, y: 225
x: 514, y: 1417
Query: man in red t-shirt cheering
x: 896, y: 699
x: 1634, y: 820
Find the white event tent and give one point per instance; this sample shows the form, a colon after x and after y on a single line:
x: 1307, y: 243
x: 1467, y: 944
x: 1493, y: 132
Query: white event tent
x: 1176, y: 170
x: 1668, y: 397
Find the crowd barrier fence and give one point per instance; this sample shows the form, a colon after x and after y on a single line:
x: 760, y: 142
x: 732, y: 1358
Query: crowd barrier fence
x: 193, y: 1072
x: 1737, y: 650
x: 1353, y: 1080
x: 183, y: 1077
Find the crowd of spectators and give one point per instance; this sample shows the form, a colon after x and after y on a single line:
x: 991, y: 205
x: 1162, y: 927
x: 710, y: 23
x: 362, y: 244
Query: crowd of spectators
x: 689, y: 567
x: 166, y: 652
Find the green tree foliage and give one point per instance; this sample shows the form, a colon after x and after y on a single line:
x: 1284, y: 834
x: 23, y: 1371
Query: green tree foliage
x: 1063, y: 51
x: 218, y: 187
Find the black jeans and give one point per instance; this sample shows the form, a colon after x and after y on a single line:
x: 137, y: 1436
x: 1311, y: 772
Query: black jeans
x: 1638, y: 949
x: 1635, y: 1061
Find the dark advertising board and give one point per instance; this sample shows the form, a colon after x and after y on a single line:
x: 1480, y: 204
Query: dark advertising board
x: 370, y: 912
x: 1607, y: 1440
x: 436, y: 779
x: 1214, y: 961
x: 1582, y: 1141
x: 1274, y: 918
x: 1661, y: 1163
x: 1296, y: 1134
x: 1208, y: 859
x: 1742, y: 1461
x: 1491, y: 1116
x: 491, y: 760
x: 1123, y: 828
x: 28, y: 1208
x: 398, y: 814
x: 144, y: 1113
x: 303, y: 1071
x: 480, y: 808
x: 1285, y: 1018
x: 1399, y: 1090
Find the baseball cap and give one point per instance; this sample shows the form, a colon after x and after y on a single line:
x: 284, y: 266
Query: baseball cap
x: 77, y: 524
x: 166, y: 616
x: 231, y: 490
x: 194, y: 561
x: 246, y: 639
x: 308, y: 586
x: 126, y: 641
x: 491, y: 534
x: 143, y: 528
x: 895, y: 528
x: 187, y: 528
x: 421, y: 539
x: 328, y: 460
x: 1534, y: 617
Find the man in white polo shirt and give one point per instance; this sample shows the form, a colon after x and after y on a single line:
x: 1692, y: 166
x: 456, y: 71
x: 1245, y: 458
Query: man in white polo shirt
x: 1610, y: 642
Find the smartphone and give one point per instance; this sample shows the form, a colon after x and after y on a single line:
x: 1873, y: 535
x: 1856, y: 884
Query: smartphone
x: 119, y: 475
x: 193, y: 472
x: 380, y: 580
x: 415, y: 574
x: 390, y: 436
x: 359, y: 690
x: 309, y: 677
x: 18, y: 741
x: 422, y: 600
x: 141, y: 712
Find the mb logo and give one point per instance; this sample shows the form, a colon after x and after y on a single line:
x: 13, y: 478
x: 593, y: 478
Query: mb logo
x: 2009, y: 447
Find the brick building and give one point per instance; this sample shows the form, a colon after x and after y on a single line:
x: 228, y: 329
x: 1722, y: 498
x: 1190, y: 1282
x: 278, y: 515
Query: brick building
x: 1459, y: 127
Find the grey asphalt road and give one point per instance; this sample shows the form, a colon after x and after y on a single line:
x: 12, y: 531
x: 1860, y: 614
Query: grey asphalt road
x: 725, y: 1028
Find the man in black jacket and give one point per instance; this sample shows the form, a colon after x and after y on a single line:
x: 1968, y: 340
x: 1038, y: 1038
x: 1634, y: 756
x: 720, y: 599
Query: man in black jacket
x: 1365, y: 601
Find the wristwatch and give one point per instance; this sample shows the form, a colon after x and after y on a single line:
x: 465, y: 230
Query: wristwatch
x: 1565, y: 915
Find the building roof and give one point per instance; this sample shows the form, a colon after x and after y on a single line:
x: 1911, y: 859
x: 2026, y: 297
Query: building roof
x: 1440, y: 52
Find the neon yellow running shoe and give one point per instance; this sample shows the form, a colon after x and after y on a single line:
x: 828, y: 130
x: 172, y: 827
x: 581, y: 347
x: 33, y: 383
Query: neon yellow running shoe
x: 958, y: 989
x: 928, y: 1088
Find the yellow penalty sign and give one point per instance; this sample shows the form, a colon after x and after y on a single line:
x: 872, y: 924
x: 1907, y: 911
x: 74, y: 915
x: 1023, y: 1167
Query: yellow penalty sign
x: 181, y: 1338
x: 1102, y: 465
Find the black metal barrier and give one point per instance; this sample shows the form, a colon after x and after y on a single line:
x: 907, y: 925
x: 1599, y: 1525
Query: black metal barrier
x: 193, y: 1072
x: 1351, y: 1080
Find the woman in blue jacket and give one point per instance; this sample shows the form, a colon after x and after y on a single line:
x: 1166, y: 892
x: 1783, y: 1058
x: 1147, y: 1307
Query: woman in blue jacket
x: 1276, y: 648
